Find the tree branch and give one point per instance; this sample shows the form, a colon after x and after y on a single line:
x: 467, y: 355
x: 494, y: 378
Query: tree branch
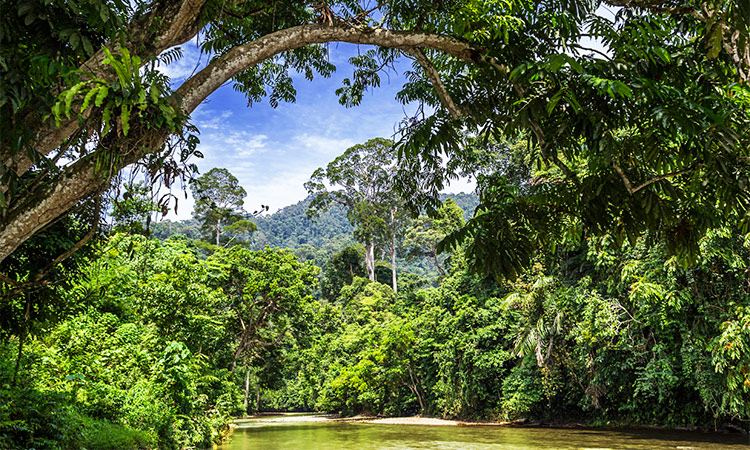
x: 38, y: 279
x: 242, y: 57
x: 434, y: 76
x: 79, y: 180
x: 633, y: 190
x: 276, y: 341
x: 170, y: 23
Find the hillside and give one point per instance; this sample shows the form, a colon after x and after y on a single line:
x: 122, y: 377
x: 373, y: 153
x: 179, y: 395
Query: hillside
x: 311, y: 239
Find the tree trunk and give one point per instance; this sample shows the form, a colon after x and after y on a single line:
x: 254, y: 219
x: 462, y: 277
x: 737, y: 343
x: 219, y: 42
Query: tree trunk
x: 370, y: 260
x: 393, y: 250
x: 415, y: 390
x: 22, y: 338
x: 218, y: 231
x: 167, y: 24
x: 437, y: 261
x: 247, y: 389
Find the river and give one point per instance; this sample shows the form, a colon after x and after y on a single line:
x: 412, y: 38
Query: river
x: 292, y: 435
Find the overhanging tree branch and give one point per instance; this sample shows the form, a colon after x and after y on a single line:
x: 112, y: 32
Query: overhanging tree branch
x: 80, y: 180
x: 39, y: 279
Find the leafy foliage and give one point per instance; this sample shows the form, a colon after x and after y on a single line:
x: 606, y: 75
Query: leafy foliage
x: 218, y: 202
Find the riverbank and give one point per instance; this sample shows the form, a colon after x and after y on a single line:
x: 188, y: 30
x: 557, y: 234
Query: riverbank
x: 316, y: 431
x: 410, y: 420
x: 433, y: 421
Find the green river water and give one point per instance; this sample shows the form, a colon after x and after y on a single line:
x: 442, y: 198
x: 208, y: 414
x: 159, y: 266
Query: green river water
x: 355, y: 436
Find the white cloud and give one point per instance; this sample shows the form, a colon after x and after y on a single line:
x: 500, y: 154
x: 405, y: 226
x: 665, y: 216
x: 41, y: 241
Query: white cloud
x: 278, y: 189
x: 322, y: 145
x: 462, y: 184
x: 231, y: 147
x: 206, y: 119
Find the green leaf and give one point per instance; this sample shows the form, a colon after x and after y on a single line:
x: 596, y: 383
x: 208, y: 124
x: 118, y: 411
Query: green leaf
x: 56, y: 113
x: 103, y: 91
x: 155, y: 92
x: 87, y: 47
x: 622, y: 89
x: 88, y: 97
x: 715, y: 38
x: 125, y: 118
x: 142, y: 99
x: 556, y: 62
x: 107, y: 118
x: 75, y: 40
x: 575, y: 65
x: 662, y: 54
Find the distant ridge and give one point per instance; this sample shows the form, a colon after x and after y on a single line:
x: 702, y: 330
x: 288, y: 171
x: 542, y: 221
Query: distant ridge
x: 311, y: 239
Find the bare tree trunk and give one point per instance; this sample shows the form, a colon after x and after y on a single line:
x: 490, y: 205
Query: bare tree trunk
x: 257, y: 398
x: 238, y: 353
x: 218, y: 231
x: 415, y: 390
x: 370, y: 260
x: 394, y: 280
x: 437, y: 261
x: 393, y: 251
x: 247, y: 389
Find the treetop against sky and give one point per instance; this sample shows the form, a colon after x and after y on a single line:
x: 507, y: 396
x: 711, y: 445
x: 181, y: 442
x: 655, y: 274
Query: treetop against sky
x: 273, y: 151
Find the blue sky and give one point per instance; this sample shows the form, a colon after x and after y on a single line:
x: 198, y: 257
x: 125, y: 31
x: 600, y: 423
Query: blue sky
x: 274, y: 151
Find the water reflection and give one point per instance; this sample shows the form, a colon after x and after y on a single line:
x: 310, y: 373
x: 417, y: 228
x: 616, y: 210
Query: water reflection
x: 353, y: 436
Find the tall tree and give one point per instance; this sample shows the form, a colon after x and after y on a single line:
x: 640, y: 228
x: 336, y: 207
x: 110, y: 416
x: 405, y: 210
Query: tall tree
x: 218, y: 201
x: 396, y: 217
x: 362, y: 175
x: 268, y: 291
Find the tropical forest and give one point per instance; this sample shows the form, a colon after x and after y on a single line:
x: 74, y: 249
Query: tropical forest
x: 589, y: 288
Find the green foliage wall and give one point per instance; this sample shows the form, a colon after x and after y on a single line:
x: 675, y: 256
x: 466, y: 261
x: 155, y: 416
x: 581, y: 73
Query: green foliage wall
x: 591, y: 334
x: 146, y: 360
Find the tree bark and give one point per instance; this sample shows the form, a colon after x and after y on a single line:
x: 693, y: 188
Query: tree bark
x: 257, y: 397
x: 79, y: 181
x: 370, y: 260
x: 394, y: 280
x: 434, y: 76
x: 437, y: 261
x: 247, y: 389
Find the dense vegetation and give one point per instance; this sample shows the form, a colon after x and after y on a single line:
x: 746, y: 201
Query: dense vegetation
x: 160, y: 345
x: 598, y: 335
x: 316, y: 240
x: 150, y: 352
x: 602, y: 277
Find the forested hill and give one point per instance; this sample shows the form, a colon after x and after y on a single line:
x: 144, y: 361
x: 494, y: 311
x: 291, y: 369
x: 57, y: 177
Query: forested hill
x: 290, y: 228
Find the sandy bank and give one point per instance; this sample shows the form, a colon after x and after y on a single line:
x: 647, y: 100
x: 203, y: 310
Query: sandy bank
x: 414, y: 420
